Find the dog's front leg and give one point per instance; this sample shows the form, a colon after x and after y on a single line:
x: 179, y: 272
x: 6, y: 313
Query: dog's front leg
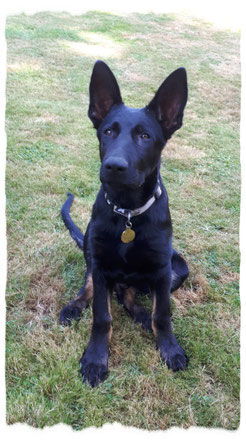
x: 171, y: 352
x: 94, y: 362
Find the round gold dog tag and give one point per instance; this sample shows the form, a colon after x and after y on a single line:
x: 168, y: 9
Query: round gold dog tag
x: 128, y: 235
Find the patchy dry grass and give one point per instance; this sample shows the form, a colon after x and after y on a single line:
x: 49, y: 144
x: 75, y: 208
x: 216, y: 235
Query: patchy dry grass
x: 196, y: 293
x: 52, y: 149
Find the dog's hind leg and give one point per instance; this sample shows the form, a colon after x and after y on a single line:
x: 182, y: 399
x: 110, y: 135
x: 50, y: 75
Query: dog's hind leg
x: 74, y: 309
x: 126, y: 297
x: 180, y: 270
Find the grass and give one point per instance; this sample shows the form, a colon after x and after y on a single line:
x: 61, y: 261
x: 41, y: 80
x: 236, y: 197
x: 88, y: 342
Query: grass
x: 52, y: 149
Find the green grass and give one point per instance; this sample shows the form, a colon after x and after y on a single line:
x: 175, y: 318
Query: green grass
x: 52, y: 149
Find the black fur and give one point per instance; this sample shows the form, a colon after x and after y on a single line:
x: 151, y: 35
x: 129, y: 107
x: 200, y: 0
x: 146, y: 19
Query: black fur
x: 75, y: 233
x: 130, y: 143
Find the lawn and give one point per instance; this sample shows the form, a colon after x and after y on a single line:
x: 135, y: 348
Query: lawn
x: 52, y: 149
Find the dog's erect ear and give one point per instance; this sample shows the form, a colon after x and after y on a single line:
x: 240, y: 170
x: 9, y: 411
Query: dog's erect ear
x: 169, y: 102
x: 104, y: 93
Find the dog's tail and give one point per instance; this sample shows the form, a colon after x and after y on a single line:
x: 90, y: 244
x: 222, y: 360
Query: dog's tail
x: 75, y: 233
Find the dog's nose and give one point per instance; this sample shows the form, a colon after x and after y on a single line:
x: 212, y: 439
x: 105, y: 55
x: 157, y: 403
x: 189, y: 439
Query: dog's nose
x: 116, y: 164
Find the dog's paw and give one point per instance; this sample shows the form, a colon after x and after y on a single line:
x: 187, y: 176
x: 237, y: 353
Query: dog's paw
x: 93, y: 372
x: 174, y: 357
x: 69, y: 313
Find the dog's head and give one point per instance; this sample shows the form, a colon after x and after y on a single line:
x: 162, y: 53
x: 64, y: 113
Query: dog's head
x: 131, y: 139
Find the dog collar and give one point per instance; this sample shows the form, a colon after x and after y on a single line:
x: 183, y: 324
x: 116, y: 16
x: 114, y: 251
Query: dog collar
x: 129, y: 234
x: 129, y: 213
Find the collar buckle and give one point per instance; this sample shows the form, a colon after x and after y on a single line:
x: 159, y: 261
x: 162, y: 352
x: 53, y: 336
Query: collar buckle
x: 121, y: 211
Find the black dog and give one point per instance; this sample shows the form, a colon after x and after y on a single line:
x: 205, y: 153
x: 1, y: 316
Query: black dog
x: 128, y: 242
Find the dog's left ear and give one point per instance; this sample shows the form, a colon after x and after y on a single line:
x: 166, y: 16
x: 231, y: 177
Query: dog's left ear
x: 104, y: 92
x: 169, y: 102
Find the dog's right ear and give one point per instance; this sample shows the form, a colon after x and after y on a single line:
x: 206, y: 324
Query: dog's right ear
x: 104, y: 93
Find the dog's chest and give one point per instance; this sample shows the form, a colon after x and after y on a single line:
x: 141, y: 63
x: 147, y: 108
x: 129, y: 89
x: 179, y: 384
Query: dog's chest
x: 141, y: 256
x: 126, y: 251
x: 120, y: 260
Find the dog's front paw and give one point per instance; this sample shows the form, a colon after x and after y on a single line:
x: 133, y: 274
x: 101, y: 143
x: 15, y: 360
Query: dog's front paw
x: 174, y: 357
x: 69, y: 313
x: 93, y: 372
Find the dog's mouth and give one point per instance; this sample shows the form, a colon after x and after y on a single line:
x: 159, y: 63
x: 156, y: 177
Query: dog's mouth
x: 121, y: 185
x: 119, y: 181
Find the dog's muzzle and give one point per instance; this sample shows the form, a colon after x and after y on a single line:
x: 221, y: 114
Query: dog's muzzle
x: 116, y: 171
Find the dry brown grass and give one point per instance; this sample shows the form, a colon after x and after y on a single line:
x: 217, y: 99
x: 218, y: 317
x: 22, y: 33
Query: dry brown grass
x: 228, y: 276
x: 44, y: 292
x: 180, y: 151
x: 195, y: 294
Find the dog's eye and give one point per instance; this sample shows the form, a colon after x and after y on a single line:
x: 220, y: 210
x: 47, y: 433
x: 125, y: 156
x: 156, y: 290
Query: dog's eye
x: 145, y: 135
x: 108, y: 132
